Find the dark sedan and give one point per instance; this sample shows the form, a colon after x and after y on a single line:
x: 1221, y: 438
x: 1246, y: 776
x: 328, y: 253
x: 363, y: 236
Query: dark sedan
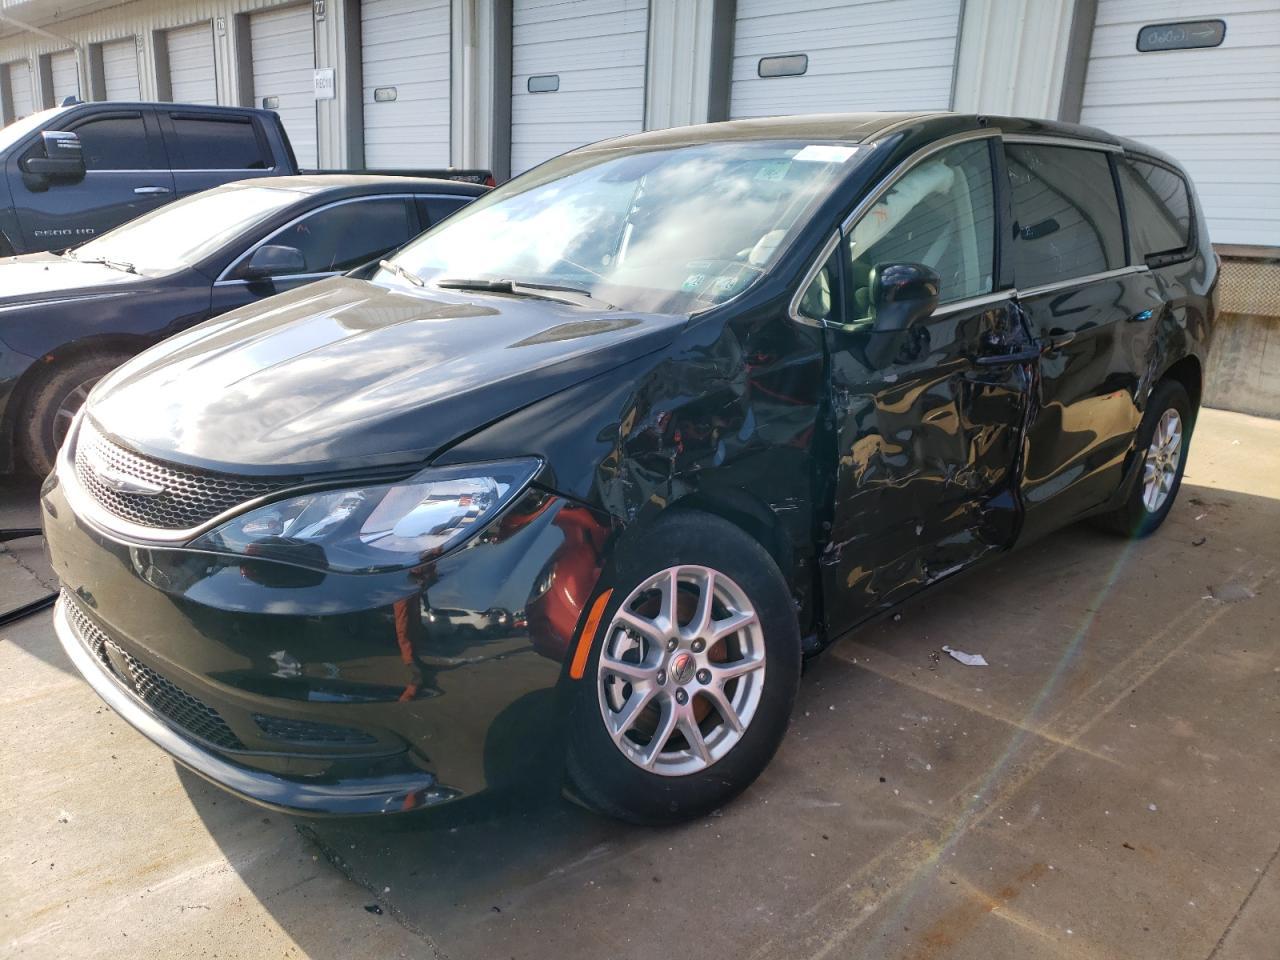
x: 592, y: 465
x: 66, y: 319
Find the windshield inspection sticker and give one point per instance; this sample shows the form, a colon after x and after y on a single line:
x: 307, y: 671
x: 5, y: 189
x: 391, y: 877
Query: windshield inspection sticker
x: 773, y: 170
x: 825, y: 153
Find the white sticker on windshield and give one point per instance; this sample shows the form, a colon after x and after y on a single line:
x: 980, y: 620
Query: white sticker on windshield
x: 825, y: 153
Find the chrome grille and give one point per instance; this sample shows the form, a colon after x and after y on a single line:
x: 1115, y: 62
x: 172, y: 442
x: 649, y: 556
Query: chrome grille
x: 188, y: 499
x: 160, y: 694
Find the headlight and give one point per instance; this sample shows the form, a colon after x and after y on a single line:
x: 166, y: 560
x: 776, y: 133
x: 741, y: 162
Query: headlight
x: 368, y: 529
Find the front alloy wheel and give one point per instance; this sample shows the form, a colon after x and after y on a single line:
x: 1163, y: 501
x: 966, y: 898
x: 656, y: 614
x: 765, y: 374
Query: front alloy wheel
x: 682, y: 670
x: 689, y: 688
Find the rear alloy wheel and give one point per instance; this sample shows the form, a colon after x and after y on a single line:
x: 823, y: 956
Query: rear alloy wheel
x: 691, y: 682
x: 1164, y: 456
x: 1162, y: 437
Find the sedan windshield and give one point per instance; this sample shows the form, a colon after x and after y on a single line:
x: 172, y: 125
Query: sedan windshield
x: 667, y: 230
x: 184, y: 232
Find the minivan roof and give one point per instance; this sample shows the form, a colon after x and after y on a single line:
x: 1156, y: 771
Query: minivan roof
x: 866, y: 127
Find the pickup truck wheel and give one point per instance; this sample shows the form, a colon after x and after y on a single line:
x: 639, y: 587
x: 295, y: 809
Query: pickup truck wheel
x: 1163, y: 439
x: 693, y: 676
x: 54, y: 403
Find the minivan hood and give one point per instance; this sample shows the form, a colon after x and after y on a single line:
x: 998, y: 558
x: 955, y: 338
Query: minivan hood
x: 46, y: 276
x: 345, y: 374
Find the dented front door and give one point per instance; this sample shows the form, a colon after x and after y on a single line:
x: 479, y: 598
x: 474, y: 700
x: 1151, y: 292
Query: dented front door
x: 928, y: 424
x: 927, y: 446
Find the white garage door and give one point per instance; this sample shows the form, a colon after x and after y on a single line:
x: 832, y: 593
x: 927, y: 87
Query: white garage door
x: 1217, y: 109
x: 284, y: 60
x: 405, y: 49
x: 192, y: 77
x: 23, y: 103
x: 820, y: 56
x: 577, y: 74
x: 66, y: 75
x: 120, y: 69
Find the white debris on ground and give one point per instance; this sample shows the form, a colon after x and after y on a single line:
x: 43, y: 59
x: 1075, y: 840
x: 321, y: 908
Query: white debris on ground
x: 968, y: 659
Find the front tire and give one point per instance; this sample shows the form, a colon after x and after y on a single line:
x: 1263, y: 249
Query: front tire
x: 1163, y: 438
x: 692, y: 677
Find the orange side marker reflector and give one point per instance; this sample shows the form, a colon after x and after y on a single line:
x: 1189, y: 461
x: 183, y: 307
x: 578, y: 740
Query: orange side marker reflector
x: 579, y: 665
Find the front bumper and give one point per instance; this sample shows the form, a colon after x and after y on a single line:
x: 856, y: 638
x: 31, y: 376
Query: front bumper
x: 352, y: 796
x: 319, y: 693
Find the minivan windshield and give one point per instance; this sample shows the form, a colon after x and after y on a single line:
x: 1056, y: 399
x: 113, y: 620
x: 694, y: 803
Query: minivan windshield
x: 672, y: 229
x: 20, y: 128
x: 182, y: 233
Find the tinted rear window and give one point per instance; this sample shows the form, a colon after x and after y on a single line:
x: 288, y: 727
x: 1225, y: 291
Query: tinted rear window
x: 209, y: 143
x: 1159, y: 206
x: 435, y: 209
x: 1067, y: 218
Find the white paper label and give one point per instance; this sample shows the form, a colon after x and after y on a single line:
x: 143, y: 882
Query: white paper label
x: 825, y: 153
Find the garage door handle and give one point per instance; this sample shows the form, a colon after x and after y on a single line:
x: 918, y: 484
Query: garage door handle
x: 150, y: 191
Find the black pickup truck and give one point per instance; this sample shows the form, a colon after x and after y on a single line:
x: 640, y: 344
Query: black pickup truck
x: 73, y: 172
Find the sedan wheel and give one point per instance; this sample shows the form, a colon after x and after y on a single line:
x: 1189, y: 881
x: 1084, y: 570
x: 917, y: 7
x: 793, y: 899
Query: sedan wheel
x: 53, y: 404
x: 65, y: 415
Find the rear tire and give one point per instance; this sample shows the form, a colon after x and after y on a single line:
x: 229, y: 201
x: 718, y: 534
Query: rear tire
x: 679, y: 720
x: 1163, y: 439
x: 53, y: 404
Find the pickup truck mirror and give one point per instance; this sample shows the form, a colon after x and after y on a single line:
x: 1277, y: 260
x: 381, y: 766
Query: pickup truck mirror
x: 274, y: 260
x: 63, y: 157
x: 902, y: 294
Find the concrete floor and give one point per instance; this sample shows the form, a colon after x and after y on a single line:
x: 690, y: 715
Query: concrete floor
x: 1104, y: 789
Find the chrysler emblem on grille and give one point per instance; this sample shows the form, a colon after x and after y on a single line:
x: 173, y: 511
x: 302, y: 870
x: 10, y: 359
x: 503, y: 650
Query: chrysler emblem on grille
x: 119, y: 482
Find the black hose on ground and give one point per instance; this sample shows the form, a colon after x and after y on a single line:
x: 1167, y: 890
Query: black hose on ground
x: 35, y: 606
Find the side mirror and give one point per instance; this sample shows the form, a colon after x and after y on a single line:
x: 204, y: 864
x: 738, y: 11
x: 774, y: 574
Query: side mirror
x: 274, y: 260
x: 63, y: 157
x: 902, y: 294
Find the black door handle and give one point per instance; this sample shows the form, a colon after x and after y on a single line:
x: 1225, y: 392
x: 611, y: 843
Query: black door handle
x: 1028, y: 353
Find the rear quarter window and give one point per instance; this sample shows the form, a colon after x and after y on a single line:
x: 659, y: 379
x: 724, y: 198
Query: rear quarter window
x: 1067, y: 215
x: 217, y: 143
x: 434, y: 209
x: 1158, y: 202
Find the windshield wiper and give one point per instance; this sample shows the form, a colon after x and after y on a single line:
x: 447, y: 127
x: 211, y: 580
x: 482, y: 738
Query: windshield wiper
x: 124, y: 265
x: 400, y: 271
x: 525, y: 288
